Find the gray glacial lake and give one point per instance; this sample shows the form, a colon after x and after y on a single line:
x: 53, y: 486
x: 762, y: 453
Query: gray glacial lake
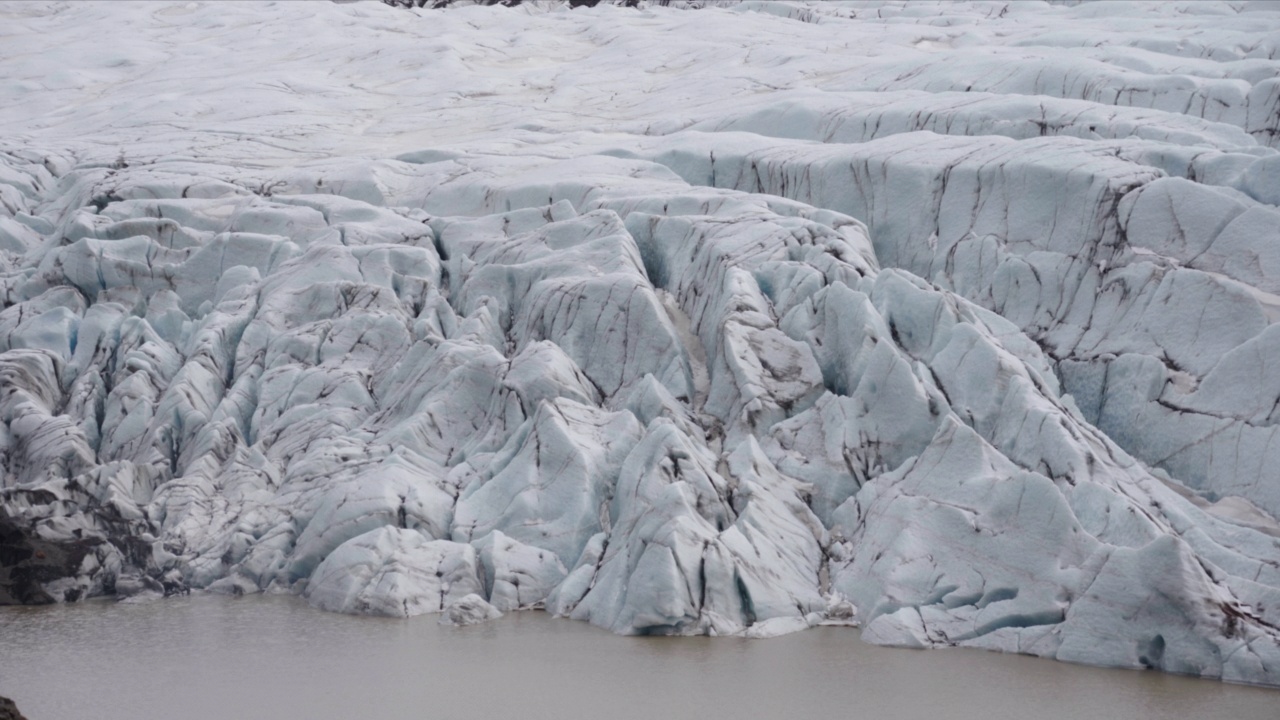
x: 274, y: 657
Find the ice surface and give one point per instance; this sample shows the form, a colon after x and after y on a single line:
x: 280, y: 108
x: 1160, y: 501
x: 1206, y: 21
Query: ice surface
x: 469, y: 610
x: 953, y: 320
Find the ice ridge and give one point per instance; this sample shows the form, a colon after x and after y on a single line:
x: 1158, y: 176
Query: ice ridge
x: 940, y: 318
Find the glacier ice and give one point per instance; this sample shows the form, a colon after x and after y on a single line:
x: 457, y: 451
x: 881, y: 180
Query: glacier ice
x: 469, y: 610
x: 952, y: 320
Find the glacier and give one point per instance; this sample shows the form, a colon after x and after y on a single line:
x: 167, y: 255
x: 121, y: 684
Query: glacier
x: 951, y: 320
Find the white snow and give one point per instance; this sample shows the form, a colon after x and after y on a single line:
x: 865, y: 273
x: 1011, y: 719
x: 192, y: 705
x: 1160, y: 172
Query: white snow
x: 953, y: 320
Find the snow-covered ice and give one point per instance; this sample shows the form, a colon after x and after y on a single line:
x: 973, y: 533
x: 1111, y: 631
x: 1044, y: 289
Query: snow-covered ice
x: 955, y: 320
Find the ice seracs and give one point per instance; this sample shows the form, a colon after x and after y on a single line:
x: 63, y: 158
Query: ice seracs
x: 391, y: 571
x: 932, y: 318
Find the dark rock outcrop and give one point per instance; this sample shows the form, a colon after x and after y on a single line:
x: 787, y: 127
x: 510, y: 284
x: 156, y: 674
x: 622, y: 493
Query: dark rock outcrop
x: 9, y: 710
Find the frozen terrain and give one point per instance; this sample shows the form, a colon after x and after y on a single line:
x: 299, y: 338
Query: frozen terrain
x: 955, y: 320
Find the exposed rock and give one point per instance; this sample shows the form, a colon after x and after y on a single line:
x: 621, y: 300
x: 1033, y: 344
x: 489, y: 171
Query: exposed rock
x: 9, y: 710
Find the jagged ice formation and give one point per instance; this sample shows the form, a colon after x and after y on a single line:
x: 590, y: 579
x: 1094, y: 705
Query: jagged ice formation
x: 952, y: 319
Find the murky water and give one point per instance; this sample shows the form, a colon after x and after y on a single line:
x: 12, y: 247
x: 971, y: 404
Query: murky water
x: 274, y: 657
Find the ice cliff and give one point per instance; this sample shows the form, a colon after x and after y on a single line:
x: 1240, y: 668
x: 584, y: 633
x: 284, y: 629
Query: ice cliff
x: 951, y: 319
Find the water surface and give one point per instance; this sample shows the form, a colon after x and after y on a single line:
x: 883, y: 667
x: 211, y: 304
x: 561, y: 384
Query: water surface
x: 207, y: 657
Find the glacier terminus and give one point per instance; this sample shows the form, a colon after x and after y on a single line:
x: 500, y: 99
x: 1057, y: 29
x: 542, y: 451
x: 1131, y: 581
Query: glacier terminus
x: 955, y: 321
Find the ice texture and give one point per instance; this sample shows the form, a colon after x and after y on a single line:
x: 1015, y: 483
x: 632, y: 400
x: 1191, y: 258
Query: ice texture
x: 953, y: 319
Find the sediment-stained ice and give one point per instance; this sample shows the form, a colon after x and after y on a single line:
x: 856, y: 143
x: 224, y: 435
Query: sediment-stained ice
x: 395, y: 572
x: 954, y: 320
